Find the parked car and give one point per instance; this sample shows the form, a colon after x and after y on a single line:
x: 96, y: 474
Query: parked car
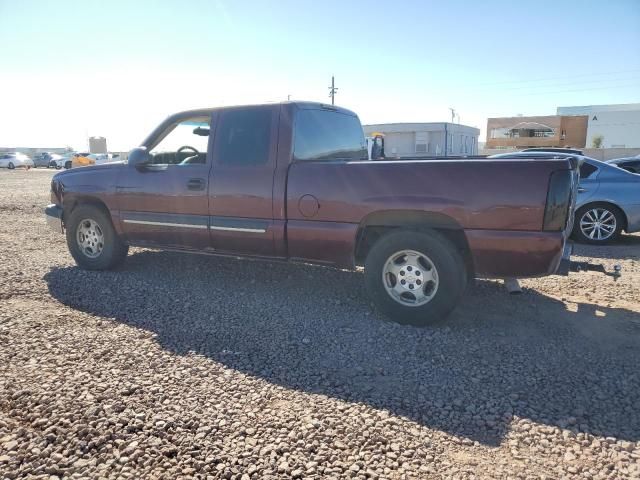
x: 13, y: 160
x: 62, y: 161
x: 82, y: 160
x: 608, y: 200
x: 630, y: 164
x: 42, y: 159
x: 293, y: 182
x: 573, y: 151
x: 55, y: 160
x: 100, y: 158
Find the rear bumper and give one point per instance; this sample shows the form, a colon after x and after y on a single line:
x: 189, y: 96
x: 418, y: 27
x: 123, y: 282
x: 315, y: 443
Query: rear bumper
x: 53, y: 215
x: 565, y: 262
x: 516, y: 254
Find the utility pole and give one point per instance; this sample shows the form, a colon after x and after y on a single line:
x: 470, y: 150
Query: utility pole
x: 453, y: 114
x: 333, y: 90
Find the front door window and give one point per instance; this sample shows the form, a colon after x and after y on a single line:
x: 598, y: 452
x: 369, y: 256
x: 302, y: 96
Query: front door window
x: 185, y: 143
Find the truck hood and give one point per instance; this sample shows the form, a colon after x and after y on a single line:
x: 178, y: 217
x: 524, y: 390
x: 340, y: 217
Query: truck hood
x: 89, y: 171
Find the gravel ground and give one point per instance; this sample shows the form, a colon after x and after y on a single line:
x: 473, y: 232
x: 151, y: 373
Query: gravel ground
x: 179, y: 366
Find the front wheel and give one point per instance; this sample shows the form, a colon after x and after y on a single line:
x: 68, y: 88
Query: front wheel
x: 11, y: 166
x: 92, y: 240
x: 415, y: 278
x: 598, y: 223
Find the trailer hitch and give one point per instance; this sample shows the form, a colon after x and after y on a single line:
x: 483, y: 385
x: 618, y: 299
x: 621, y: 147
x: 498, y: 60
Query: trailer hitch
x: 595, y: 267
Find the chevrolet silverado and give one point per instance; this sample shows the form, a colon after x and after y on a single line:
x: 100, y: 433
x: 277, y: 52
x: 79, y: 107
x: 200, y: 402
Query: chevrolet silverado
x: 293, y: 182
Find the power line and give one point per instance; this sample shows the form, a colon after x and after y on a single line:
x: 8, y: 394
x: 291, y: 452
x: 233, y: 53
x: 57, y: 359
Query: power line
x: 566, y: 77
x: 583, y: 89
x: 582, y: 82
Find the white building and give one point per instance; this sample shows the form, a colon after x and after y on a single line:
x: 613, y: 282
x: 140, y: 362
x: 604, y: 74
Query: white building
x: 411, y: 139
x: 619, y: 125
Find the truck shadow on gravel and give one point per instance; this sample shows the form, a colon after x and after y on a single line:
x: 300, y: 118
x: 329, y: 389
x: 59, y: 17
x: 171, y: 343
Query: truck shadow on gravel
x: 311, y: 329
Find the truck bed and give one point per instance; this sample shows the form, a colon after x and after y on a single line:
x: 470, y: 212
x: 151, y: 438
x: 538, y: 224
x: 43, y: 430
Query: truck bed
x: 494, y: 201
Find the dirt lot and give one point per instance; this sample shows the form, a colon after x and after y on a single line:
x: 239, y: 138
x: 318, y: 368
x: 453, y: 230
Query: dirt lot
x: 190, y: 366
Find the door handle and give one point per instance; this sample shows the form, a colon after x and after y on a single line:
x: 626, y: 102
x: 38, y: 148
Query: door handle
x: 196, y: 184
x: 581, y: 190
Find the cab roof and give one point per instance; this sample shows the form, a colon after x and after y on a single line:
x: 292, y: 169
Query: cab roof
x: 302, y: 105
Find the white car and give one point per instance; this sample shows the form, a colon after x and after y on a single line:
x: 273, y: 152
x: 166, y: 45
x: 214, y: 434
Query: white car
x: 101, y: 158
x: 15, y: 160
x: 61, y: 161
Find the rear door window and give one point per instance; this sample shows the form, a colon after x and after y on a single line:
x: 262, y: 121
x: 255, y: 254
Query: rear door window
x: 243, y: 136
x: 328, y: 135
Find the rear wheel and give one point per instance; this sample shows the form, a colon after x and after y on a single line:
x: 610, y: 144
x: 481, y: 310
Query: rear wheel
x: 92, y: 240
x: 598, y: 223
x: 415, y: 277
x: 11, y: 166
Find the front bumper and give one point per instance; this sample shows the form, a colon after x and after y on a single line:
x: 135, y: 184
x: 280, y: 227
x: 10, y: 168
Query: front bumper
x: 53, y: 215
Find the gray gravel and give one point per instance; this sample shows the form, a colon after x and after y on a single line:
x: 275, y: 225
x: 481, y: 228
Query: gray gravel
x: 179, y: 366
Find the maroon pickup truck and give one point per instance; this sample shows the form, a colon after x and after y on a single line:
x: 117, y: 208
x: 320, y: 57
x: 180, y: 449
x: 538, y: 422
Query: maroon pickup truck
x: 292, y: 181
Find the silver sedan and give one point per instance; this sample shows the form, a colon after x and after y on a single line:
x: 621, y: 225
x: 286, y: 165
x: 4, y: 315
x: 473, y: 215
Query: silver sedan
x: 608, y: 202
x: 608, y: 199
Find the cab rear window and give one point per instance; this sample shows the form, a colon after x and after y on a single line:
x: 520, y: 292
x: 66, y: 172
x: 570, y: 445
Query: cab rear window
x: 328, y: 135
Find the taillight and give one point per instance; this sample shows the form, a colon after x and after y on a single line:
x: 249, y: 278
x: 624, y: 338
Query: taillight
x: 556, y: 213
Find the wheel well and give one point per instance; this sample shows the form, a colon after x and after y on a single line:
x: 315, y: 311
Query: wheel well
x: 374, y: 226
x: 70, y: 206
x: 610, y: 205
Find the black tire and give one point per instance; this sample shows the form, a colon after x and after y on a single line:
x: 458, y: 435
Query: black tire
x: 11, y: 166
x: 67, y: 165
x: 114, y: 250
x: 58, y: 167
x: 581, y: 237
x: 450, y: 267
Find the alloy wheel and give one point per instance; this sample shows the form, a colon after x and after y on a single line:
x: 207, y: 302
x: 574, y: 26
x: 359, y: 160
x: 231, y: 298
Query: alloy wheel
x: 598, y: 224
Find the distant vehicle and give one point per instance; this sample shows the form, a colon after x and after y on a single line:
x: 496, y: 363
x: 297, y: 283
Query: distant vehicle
x: 630, y: 164
x: 573, y: 151
x: 62, y: 161
x: 100, y: 158
x: 608, y: 199
x: 82, y: 160
x: 54, y: 158
x: 42, y: 160
x: 15, y: 160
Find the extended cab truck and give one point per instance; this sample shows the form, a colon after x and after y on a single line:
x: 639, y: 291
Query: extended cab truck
x: 292, y: 181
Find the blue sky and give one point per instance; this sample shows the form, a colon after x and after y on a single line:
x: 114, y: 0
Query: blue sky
x: 117, y: 68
